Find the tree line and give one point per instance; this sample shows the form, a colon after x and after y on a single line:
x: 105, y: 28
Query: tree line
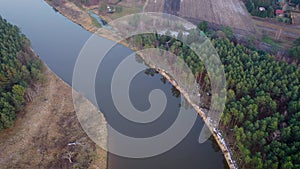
x: 261, y: 121
x: 269, y: 5
x: 19, y: 69
x: 294, y: 51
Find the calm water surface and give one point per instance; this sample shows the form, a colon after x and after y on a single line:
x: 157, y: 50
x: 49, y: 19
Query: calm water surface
x: 58, y: 42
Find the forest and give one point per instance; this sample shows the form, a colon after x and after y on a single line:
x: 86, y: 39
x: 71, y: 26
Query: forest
x: 19, y: 70
x: 261, y: 121
x: 295, y: 49
x: 269, y: 5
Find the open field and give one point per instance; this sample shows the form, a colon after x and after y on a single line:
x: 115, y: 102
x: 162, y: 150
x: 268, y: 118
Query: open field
x: 128, y: 7
x: 125, y: 11
x: 230, y: 13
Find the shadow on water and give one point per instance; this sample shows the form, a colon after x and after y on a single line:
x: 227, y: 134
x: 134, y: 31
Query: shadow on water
x: 188, y: 154
x: 52, y: 37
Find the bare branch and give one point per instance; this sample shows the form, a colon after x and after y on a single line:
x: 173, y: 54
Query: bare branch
x: 68, y: 156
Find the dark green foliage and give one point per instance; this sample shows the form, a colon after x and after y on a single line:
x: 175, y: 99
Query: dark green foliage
x: 297, y: 42
x: 228, y: 32
x: 295, y: 50
x: 203, y: 26
x: 295, y: 1
x: 270, y: 6
x: 18, y: 70
x: 262, y: 115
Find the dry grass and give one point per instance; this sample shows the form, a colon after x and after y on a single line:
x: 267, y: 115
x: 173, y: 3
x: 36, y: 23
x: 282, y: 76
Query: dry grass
x: 75, y: 14
x: 41, y: 133
x: 125, y: 11
x: 288, y: 35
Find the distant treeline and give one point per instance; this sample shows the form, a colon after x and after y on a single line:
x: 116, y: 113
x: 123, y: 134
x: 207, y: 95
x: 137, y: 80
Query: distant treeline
x: 295, y: 50
x: 269, y: 5
x: 261, y: 121
x: 19, y: 69
x: 296, y: 2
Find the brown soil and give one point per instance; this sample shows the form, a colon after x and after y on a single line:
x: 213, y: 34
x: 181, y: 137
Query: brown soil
x: 43, y: 130
x: 230, y: 13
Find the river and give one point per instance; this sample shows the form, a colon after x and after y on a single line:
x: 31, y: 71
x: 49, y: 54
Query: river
x: 58, y: 42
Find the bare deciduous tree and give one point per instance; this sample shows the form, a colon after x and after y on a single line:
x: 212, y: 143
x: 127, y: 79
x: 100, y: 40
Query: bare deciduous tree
x: 68, y: 155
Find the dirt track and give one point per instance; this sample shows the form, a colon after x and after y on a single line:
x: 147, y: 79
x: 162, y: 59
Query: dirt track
x: 42, y: 132
x: 284, y: 33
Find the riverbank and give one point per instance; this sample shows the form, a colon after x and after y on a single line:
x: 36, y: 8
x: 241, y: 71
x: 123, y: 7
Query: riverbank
x: 75, y: 14
x: 215, y: 132
x: 47, y: 134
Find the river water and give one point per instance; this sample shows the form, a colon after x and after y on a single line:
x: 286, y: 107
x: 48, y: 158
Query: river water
x: 58, y: 42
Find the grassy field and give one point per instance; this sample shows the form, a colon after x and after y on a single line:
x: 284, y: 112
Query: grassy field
x: 125, y: 11
x: 42, y: 132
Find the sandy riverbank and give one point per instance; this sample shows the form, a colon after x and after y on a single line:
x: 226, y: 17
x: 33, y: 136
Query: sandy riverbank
x: 47, y: 134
